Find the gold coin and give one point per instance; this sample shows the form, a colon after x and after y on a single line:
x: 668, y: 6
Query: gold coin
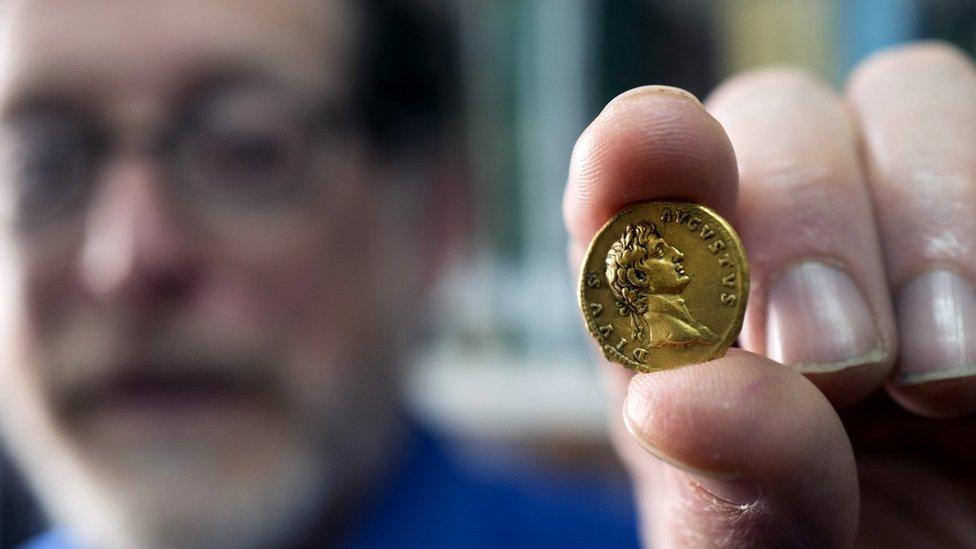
x: 664, y: 284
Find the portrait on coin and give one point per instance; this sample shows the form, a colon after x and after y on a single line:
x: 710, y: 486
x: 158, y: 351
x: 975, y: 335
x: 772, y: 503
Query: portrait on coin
x: 646, y: 276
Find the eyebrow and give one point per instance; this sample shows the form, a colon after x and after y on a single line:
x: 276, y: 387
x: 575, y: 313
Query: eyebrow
x: 205, y: 78
x: 40, y: 98
x: 55, y: 92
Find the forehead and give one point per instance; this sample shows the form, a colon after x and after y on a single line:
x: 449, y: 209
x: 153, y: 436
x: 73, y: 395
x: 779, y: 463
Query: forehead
x: 108, y: 47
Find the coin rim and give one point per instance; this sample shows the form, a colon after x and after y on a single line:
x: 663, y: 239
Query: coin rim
x: 733, y: 332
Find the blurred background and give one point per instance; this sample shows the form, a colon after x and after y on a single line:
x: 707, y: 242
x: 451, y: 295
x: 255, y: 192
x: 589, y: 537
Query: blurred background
x: 507, y: 365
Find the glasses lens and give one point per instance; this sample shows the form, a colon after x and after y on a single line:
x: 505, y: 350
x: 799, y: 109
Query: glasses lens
x: 49, y: 161
x: 244, y: 151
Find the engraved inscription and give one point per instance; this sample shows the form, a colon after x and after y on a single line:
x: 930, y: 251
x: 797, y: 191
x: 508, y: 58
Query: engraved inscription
x: 596, y: 309
x: 640, y: 355
x: 693, y: 224
x: 593, y: 280
x: 728, y: 299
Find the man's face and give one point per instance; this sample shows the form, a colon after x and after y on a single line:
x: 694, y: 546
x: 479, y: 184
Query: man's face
x: 194, y: 265
x: 662, y: 267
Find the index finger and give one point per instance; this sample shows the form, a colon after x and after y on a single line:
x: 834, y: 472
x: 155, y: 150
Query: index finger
x: 653, y: 142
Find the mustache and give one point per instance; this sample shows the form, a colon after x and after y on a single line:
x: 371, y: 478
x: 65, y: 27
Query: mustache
x: 94, y: 358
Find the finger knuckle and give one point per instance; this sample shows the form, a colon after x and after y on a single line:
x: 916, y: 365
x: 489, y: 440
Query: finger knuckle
x: 910, y: 59
x: 784, y: 81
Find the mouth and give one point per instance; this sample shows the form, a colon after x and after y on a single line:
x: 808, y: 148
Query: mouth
x: 162, y: 394
x: 680, y: 269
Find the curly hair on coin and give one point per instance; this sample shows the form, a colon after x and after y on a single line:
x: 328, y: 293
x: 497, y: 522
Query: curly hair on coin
x: 628, y: 283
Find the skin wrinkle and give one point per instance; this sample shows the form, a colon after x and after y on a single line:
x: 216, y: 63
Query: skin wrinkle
x: 932, y: 257
x: 665, y: 147
x: 783, y: 92
x: 733, y: 525
x: 939, y: 83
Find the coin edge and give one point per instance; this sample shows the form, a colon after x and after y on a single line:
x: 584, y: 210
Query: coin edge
x: 731, y: 335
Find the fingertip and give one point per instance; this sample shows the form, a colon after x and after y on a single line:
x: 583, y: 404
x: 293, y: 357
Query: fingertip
x: 937, y: 399
x: 710, y: 415
x: 744, y: 427
x: 902, y: 59
x: 650, y: 142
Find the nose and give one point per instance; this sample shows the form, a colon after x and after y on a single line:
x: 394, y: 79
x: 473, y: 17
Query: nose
x: 134, y: 253
x: 676, y: 255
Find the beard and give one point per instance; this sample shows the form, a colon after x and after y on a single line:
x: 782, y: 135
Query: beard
x: 269, y: 439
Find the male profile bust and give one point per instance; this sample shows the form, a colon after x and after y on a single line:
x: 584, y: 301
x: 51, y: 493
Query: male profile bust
x: 646, y: 276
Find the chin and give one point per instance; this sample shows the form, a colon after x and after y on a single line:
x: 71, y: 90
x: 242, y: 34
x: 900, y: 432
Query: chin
x: 676, y: 288
x: 208, y: 475
x: 249, y: 492
x: 248, y: 488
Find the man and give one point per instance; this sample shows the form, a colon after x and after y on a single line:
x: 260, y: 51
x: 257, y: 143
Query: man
x: 208, y: 266
x: 216, y: 239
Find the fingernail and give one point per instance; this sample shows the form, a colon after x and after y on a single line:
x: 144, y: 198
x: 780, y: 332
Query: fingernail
x: 819, y: 321
x: 730, y: 488
x: 936, y: 328
x: 656, y: 90
x: 676, y: 92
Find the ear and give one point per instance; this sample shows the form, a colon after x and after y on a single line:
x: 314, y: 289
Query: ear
x: 448, y: 223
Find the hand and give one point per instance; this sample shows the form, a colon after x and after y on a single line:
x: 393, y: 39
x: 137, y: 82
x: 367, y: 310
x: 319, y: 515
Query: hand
x: 859, y: 217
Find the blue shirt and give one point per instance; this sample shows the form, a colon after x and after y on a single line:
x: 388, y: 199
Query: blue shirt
x: 433, y: 501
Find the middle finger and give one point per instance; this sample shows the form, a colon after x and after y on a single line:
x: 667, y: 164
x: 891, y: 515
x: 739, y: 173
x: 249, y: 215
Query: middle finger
x: 819, y: 300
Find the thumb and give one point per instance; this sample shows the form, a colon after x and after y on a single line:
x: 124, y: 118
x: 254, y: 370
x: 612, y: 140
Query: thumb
x: 739, y: 451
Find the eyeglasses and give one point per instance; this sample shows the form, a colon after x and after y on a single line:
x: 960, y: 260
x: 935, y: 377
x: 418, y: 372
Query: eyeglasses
x: 240, y: 152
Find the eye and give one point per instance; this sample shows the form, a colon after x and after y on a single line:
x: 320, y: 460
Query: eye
x: 50, y: 158
x: 243, y: 147
x: 245, y: 160
x: 659, y: 250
